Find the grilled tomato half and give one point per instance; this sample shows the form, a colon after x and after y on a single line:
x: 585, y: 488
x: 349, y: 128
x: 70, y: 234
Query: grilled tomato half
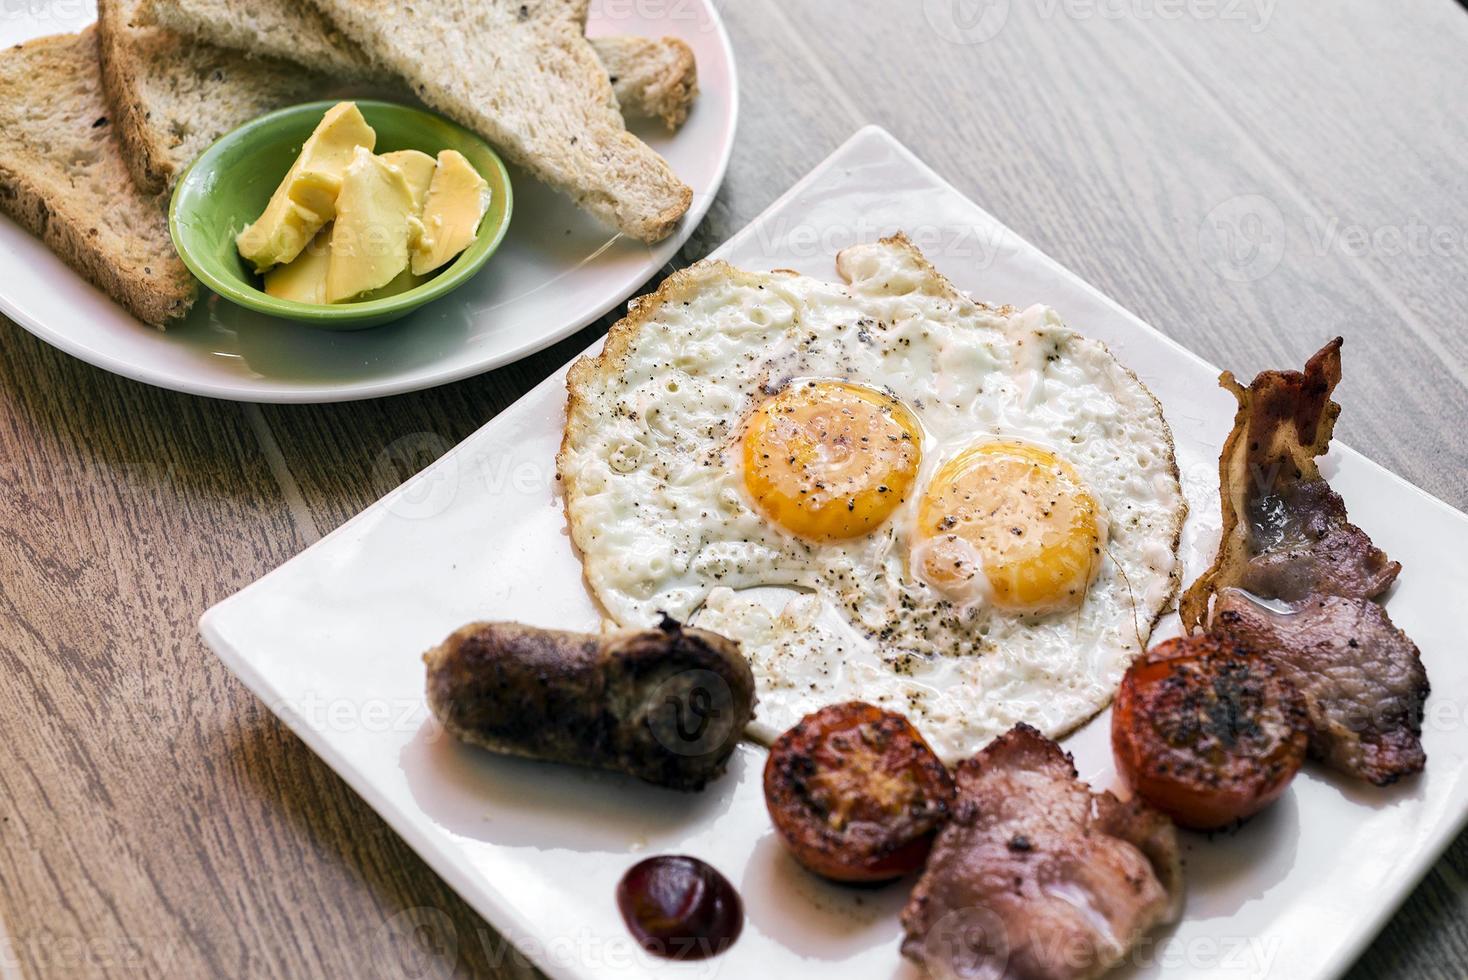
x: 1207, y: 730
x: 856, y: 794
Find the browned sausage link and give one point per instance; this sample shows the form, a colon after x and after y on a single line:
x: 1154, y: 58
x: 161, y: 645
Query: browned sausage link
x: 666, y: 705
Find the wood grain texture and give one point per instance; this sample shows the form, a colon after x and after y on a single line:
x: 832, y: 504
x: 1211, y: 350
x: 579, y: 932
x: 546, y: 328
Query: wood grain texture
x: 156, y: 820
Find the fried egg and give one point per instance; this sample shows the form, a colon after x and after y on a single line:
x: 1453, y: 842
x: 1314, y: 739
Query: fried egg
x: 883, y: 489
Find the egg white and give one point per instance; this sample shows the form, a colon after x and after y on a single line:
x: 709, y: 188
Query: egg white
x: 658, y: 508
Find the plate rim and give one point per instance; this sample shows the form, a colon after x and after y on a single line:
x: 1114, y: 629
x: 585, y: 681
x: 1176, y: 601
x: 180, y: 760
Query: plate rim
x: 323, y: 393
x: 495, y: 906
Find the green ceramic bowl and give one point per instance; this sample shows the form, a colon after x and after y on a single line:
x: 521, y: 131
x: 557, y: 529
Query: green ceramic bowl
x: 231, y: 182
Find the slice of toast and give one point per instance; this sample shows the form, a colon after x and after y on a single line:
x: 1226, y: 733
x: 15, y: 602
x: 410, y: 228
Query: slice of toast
x: 290, y: 30
x: 652, y: 79
x: 62, y: 175
x: 172, y: 96
x: 523, y: 75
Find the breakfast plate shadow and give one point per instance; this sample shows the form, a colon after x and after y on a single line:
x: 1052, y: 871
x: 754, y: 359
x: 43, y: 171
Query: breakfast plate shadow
x: 480, y: 535
x: 556, y: 271
x: 456, y: 784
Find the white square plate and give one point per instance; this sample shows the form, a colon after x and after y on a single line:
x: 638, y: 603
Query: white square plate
x: 331, y: 641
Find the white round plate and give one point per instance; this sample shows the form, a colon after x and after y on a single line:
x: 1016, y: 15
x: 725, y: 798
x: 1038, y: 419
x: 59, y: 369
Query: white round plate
x: 556, y: 271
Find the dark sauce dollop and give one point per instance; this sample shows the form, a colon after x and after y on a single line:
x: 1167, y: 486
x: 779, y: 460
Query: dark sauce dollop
x: 680, y: 908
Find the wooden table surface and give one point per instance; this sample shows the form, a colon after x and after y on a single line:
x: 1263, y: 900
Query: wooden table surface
x: 1249, y: 176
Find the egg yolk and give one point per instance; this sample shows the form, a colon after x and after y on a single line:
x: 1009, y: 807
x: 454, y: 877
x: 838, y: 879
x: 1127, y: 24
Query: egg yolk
x: 1017, y: 515
x: 827, y: 460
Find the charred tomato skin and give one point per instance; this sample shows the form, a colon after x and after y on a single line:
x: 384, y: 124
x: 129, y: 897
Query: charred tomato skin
x: 856, y: 794
x: 1207, y: 730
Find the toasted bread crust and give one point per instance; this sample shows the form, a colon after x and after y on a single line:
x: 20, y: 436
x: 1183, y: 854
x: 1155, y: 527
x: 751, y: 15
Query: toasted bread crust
x: 652, y: 79
x: 44, y: 193
x: 540, y: 94
x: 172, y: 96
x: 291, y: 30
x: 146, y: 159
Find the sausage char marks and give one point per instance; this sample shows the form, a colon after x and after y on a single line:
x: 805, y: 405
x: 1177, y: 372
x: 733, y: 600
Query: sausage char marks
x: 667, y: 705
